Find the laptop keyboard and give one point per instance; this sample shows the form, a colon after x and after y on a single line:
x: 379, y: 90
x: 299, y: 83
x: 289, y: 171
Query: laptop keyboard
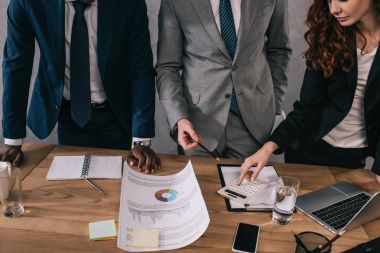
x: 339, y: 214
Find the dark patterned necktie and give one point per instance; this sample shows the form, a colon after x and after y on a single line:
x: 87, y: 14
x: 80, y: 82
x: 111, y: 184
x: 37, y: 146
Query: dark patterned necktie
x: 228, y: 33
x: 80, y: 94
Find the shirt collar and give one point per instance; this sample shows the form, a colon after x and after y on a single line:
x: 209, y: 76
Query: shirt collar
x: 95, y: 2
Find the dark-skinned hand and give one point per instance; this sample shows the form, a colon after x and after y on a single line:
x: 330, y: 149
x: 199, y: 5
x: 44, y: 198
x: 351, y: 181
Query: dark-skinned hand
x: 11, y: 154
x: 146, y: 160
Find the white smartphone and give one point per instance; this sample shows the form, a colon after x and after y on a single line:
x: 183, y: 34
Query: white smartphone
x: 246, y: 238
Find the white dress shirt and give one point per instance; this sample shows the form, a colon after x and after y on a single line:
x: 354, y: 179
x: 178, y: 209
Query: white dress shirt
x: 236, y: 12
x: 91, y: 15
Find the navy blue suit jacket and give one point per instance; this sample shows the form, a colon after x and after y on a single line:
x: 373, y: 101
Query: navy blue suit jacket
x: 124, y: 58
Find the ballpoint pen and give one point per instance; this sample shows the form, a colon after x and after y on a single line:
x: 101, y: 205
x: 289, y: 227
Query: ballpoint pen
x: 95, y: 187
x: 200, y: 145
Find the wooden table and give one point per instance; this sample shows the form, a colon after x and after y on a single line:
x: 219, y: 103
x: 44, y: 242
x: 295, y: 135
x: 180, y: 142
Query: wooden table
x: 58, y: 212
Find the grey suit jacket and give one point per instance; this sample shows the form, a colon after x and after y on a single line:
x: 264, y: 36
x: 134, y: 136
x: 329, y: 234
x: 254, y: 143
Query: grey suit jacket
x: 195, y: 73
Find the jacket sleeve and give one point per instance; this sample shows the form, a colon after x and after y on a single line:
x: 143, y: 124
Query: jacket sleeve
x: 305, y: 112
x: 169, y: 64
x: 140, y: 64
x: 279, y: 51
x: 17, y: 69
x: 376, y: 163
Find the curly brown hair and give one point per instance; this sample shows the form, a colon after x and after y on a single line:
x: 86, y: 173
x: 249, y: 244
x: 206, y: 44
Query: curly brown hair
x: 331, y: 46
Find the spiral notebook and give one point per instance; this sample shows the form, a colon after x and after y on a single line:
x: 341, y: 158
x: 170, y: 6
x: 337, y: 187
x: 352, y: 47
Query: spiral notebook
x: 85, y: 166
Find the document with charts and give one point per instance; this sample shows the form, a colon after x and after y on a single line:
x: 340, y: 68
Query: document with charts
x: 173, y: 205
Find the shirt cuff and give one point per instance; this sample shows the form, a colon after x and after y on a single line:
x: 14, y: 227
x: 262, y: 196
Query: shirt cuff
x: 134, y: 139
x: 13, y: 142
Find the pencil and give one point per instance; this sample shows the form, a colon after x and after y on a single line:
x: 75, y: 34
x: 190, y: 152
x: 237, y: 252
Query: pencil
x: 203, y: 147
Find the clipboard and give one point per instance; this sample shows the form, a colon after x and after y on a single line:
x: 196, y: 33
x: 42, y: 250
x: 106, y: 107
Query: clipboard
x: 230, y: 208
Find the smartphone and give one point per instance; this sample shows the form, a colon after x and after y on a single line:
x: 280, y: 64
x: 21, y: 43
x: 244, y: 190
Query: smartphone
x: 246, y: 238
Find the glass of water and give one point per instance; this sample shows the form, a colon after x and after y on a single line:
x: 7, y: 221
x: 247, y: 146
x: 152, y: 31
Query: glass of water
x: 286, y: 195
x: 11, y: 190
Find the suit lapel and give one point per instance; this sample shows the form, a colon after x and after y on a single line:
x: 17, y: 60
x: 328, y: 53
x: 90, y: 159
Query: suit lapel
x: 352, y: 76
x: 248, y: 12
x: 204, y: 12
x: 55, y: 17
x: 107, y: 10
x: 374, y: 69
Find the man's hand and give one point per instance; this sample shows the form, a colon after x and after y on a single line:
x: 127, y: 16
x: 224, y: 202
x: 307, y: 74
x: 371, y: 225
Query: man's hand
x: 258, y: 159
x: 12, y: 154
x: 186, y: 129
x: 147, y: 161
x: 378, y: 178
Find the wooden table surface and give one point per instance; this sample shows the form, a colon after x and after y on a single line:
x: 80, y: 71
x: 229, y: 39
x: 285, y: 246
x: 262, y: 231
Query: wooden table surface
x: 58, y: 212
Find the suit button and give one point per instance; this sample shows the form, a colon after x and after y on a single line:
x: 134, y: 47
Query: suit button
x: 234, y: 67
x: 227, y: 96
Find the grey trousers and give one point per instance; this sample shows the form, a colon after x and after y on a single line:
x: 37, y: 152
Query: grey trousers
x: 236, y: 141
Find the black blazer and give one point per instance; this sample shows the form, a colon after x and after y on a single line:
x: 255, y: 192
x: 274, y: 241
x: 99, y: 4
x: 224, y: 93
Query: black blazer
x: 324, y: 103
x: 124, y: 57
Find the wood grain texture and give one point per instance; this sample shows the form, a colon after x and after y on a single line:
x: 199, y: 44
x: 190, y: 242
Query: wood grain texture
x: 58, y: 212
x: 33, y: 155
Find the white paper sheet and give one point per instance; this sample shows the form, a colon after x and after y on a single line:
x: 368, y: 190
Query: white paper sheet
x: 265, y: 199
x: 172, y: 204
x: 70, y: 167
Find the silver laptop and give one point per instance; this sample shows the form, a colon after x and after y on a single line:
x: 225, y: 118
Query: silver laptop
x: 340, y: 207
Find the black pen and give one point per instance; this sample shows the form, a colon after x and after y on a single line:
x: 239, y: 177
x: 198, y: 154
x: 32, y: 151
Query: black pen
x: 200, y: 145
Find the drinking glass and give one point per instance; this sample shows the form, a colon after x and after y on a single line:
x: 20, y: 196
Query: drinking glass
x: 11, y: 190
x: 286, y: 195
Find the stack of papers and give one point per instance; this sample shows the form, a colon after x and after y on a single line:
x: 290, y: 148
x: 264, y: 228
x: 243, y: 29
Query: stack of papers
x: 160, y: 212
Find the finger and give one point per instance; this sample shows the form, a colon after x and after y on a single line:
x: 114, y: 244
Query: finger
x: 148, y: 163
x: 141, y: 163
x: 158, y: 163
x: 5, y: 157
x: 191, y: 146
x: 244, y: 169
x: 196, y: 137
x: 131, y: 160
x: 153, y: 166
x: 255, y: 174
x: 188, y: 138
x: 193, y: 135
x: 182, y: 140
x: 19, y: 158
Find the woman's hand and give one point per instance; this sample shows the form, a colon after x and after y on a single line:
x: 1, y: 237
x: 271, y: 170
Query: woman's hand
x: 378, y: 178
x: 259, y: 159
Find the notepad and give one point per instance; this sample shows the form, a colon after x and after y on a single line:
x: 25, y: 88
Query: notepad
x: 102, y: 230
x: 79, y: 167
x: 145, y: 238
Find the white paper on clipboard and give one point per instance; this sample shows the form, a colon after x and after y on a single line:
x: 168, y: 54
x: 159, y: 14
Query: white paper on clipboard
x: 266, y: 197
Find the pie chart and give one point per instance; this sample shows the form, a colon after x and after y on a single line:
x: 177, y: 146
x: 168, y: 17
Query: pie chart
x: 166, y: 195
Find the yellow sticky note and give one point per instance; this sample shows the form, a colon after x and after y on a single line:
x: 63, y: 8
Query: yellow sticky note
x: 102, y: 230
x: 145, y: 238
